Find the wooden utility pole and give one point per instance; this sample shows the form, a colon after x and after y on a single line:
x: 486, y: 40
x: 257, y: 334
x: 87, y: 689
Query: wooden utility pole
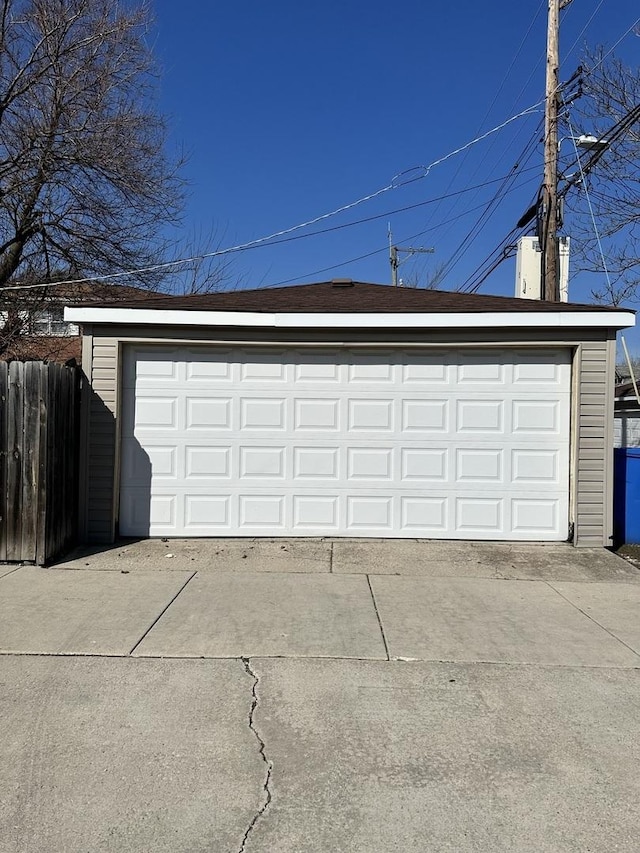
x: 548, y: 233
x: 549, y: 214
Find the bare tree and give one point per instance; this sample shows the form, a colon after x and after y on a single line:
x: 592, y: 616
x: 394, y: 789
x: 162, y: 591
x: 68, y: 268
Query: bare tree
x: 430, y: 279
x: 86, y: 186
x: 611, y: 92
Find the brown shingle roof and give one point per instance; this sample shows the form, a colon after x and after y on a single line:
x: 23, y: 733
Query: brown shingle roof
x: 347, y: 297
x: 86, y: 292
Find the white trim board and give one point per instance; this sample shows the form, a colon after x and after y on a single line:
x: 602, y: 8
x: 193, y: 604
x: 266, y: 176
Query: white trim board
x: 318, y: 320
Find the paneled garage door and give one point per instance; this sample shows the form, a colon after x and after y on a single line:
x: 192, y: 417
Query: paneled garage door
x: 450, y: 443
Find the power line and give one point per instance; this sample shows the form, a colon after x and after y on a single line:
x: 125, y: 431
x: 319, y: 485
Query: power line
x: 584, y: 29
x: 611, y: 49
x: 394, y: 184
x: 491, y: 206
x: 593, y: 218
x: 386, y: 248
x: 481, y: 273
x: 491, y: 105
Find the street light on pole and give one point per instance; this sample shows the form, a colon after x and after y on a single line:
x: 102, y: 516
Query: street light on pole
x: 587, y: 141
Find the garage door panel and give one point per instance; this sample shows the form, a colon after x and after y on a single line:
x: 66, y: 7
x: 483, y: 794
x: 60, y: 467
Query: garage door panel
x: 370, y: 415
x: 264, y: 368
x: 534, y: 516
x: 260, y: 462
x: 537, y: 466
x: 423, y: 515
x: 322, y: 371
x: 156, y: 413
x: 540, y: 369
x: 475, y: 465
x: 210, y: 511
x: 423, y: 465
x: 426, y: 370
x: 262, y: 511
x: 370, y: 463
x: 430, y: 443
x: 423, y: 415
x: 476, y: 368
x: 480, y: 416
x: 206, y: 461
x: 371, y: 368
x: 378, y: 465
x: 316, y: 414
x: 451, y: 515
x: 316, y: 512
x: 263, y: 413
x: 475, y: 515
x: 202, y: 367
x: 157, y: 365
x: 208, y: 413
x: 315, y: 462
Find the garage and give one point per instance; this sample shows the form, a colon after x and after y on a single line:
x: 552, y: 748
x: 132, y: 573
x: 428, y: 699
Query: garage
x: 348, y: 409
x: 387, y: 442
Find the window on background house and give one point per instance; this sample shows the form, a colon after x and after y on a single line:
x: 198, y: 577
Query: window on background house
x: 50, y: 321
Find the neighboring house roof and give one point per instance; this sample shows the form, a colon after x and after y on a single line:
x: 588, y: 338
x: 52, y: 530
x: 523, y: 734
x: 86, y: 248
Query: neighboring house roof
x: 95, y: 292
x: 626, y: 389
x: 348, y: 296
x: 44, y: 348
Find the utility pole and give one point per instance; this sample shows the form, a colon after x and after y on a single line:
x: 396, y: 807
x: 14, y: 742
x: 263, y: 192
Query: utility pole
x: 549, y: 218
x: 550, y: 288
x: 394, y: 260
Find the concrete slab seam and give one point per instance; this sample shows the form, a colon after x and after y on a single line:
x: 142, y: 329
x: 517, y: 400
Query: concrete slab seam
x: 375, y: 607
x: 595, y: 621
x: 331, y: 559
x: 162, y: 612
x: 263, y: 754
x: 11, y: 571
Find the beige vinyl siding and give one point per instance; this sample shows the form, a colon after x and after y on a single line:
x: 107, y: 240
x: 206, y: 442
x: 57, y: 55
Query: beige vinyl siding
x: 592, y: 467
x: 101, y: 462
x: 593, y: 487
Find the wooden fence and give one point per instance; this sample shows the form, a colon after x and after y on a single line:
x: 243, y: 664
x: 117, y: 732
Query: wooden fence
x: 39, y: 439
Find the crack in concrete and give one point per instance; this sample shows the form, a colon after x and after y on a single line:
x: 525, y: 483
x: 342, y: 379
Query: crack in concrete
x: 262, y: 749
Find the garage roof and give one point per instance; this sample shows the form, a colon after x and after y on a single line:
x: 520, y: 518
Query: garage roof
x: 301, y: 305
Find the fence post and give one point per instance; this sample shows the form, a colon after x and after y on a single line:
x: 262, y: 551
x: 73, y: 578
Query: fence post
x: 4, y: 414
x: 15, y: 411
x: 43, y: 468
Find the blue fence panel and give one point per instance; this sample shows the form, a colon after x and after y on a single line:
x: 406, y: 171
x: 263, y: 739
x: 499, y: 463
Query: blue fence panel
x: 626, y: 495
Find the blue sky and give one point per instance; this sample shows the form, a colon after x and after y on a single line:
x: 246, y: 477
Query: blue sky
x: 290, y: 110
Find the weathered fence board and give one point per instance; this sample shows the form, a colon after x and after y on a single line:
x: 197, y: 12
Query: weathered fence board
x: 4, y: 391
x: 15, y: 441
x: 39, y: 437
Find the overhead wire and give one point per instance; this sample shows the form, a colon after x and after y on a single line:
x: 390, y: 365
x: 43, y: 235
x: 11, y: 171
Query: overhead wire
x: 497, y: 255
x: 584, y: 29
x: 394, y: 184
x: 492, y: 104
x: 398, y: 181
x: 385, y: 248
x: 593, y: 218
x: 482, y: 272
x: 491, y: 206
x: 611, y: 49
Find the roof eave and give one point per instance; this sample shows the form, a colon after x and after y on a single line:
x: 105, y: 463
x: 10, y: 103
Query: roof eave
x: 323, y: 320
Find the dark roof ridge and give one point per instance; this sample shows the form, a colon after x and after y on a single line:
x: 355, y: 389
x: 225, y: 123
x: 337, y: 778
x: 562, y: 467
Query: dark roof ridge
x: 349, y: 297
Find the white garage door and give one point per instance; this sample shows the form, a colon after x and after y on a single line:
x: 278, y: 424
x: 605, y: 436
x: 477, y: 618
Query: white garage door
x: 310, y: 442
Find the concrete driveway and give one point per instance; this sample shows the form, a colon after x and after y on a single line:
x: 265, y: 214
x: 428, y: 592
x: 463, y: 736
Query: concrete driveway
x: 281, y: 696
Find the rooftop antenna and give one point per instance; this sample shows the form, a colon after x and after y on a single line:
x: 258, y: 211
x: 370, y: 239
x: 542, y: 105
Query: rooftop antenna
x: 395, y: 261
